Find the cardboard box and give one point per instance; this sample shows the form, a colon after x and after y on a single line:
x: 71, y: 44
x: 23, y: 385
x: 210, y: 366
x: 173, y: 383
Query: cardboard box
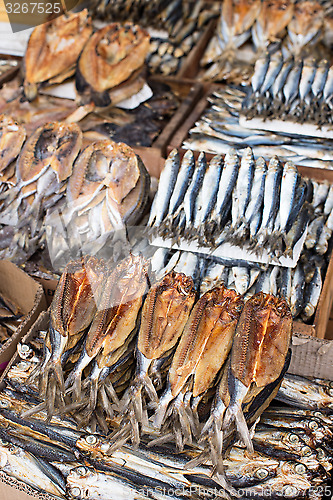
x: 29, y: 295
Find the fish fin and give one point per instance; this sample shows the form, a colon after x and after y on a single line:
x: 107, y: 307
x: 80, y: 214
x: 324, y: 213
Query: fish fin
x: 93, y: 388
x: 135, y: 435
x: 105, y: 403
x: 166, y: 438
x: 198, y: 460
x: 150, y: 389
x: 35, y: 409
x: 50, y: 397
x: 235, y: 415
x: 163, y: 404
x: 112, y: 393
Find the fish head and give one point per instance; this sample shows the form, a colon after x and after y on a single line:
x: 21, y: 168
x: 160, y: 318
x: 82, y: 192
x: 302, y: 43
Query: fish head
x: 296, y: 468
x: 77, y: 479
x: 94, y: 445
x: 308, y: 15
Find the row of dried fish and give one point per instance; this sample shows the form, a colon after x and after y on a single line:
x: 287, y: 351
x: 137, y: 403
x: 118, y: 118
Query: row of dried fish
x: 88, y: 357
x: 50, y: 172
x: 292, y: 456
x: 301, y: 287
x: 235, y: 200
x: 300, y: 90
x: 297, y: 27
x: 107, y: 63
x: 219, y: 128
x: 62, y: 459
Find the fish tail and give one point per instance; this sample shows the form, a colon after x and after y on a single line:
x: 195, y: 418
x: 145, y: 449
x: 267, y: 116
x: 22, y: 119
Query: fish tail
x: 105, y: 403
x: 137, y: 404
x: 112, y: 393
x: 185, y: 425
x: 235, y: 415
x: 160, y: 413
x: 135, y: 434
x: 150, y: 389
x: 229, y: 491
x: 198, y: 460
x: 93, y: 394
x: 59, y: 376
x: 50, y: 396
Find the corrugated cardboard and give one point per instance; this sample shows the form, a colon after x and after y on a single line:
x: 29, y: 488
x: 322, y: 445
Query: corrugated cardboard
x: 29, y: 295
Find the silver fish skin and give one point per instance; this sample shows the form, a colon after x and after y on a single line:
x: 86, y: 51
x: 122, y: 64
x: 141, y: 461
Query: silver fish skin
x: 25, y: 467
x: 257, y: 190
x: 282, y: 410
x: 242, y: 279
x: 314, y: 230
x: 291, y: 86
x: 165, y: 187
x: 328, y: 88
x: 208, y: 192
x: 298, y: 228
x: 260, y: 72
x: 297, y: 291
x: 303, y: 393
x: 314, y: 427
x: 271, y: 198
x: 227, y: 183
x: 263, y: 283
x: 307, y: 77
x: 320, y: 78
x: 157, y: 261
x: 321, y: 246
x: 255, y: 225
x: 273, y: 70
x: 169, y: 266
x: 320, y: 193
x: 289, y: 182
x: 212, y: 277
x: 290, y: 486
x: 285, y: 283
x: 282, y: 443
x: 183, y: 179
x: 328, y: 207
x: 187, y: 264
x: 312, y: 294
x: 281, y: 78
x: 194, y: 187
x: 242, y: 190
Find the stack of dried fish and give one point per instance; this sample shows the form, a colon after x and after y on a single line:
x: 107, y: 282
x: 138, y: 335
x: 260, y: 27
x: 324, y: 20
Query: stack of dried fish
x: 99, y: 190
x: 219, y: 128
x: 238, y: 200
x: 53, y: 50
x: 299, y: 90
x: 301, y: 287
x: 107, y: 190
x: 167, y: 53
x: 299, y: 28
x: 42, y: 169
x: 180, y: 24
x: 82, y: 463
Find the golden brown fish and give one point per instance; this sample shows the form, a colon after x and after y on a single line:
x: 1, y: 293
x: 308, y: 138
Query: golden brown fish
x: 274, y: 17
x: 258, y: 353
x: 305, y: 26
x: 111, y: 57
x: 12, y: 137
x: 118, y: 306
x: 53, y: 50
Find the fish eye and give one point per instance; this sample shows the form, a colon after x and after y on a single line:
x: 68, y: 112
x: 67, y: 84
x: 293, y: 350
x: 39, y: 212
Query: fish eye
x: 300, y: 468
x: 105, y: 447
x: 330, y: 392
x: 91, y: 439
x: 320, y: 454
x: 313, y: 425
x: 4, y: 404
x: 25, y: 348
x: 23, y: 365
x: 81, y: 471
x: 306, y: 451
x: 293, y: 438
x: 75, y: 492
x: 261, y: 473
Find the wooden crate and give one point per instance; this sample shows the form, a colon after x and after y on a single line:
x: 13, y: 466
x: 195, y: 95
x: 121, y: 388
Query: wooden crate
x: 322, y: 327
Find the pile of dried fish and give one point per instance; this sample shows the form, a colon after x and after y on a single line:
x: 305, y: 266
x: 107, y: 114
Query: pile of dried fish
x: 53, y: 50
x: 167, y: 53
x: 291, y: 89
x: 219, y: 128
x: 247, y: 29
x: 301, y: 287
x: 235, y: 200
x: 179, y: 24
x: 11, y: 316
x: 98, y: 191
x: 69, y: 461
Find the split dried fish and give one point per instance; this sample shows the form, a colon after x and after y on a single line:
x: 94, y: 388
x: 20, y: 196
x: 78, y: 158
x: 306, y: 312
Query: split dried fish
x: 53, y: 50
